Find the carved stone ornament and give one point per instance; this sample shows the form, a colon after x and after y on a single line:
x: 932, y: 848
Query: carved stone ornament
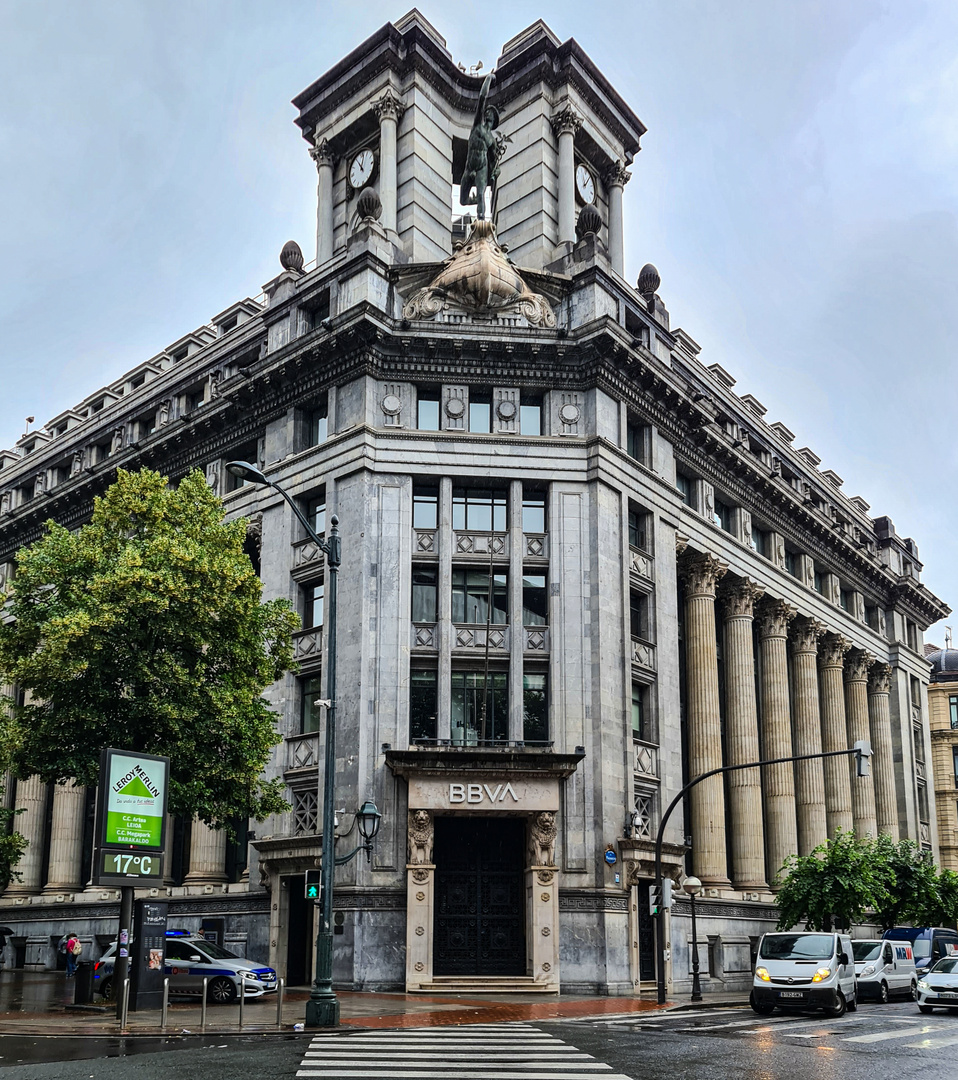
x: 77, y: 463
x: 806, y: 634
x: 546, y: 931
x: 480, y: 279
x: 569, y: 414
x: 546, y: 966
x: 254, y: 530
x: 701, y: 573
x: 740, y: 598
x: 388, y: 107
x: 321, y: 153
x: 506, y: 410
x: 369, y: 206
x: 213, y: 479
x: 455, y: 407
x: 857, y: 665
x: 832, y: 653
x: 420, y: 836
x: 681, y: 543
x: 420, y: 966
x: 118, y: 434
x: 879, y: 679
x: 773, y: 617
x: 545, y: 897
x: 649, y: 280
x: 420, y: 876
x: 545, y: 877
x: 391, y: 405
x: 420, y: 896
x: 420, y: 930
x: 543, y: 834
x: 566, y: 121
x: 588, y: 223
x: 291, y: 257
x: 617, y: 175
x: 6, y: 500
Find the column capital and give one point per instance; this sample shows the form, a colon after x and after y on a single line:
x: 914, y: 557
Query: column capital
x: 773, y: 617
x: 833, y: 649
x: 879, y: 679
x: 681, y: 543
x: 857, y: 664
x: 389, y: 107
x: 701, y: 572
x: 617, y: 175
x: 566, y: 121
x: 322, y: 154
x: 806, y: 634
x: 740, y: 598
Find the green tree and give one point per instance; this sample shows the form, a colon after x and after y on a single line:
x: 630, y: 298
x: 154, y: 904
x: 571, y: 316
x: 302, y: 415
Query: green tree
x: 12, y: 846
x: 834, y: 886
x: 144, y: 630
x: 945, y: 911
x: 914, y: 900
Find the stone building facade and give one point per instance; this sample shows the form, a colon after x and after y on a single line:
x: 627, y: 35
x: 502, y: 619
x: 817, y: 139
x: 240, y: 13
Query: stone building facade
x: 578, y: 567
x: 943, y: 722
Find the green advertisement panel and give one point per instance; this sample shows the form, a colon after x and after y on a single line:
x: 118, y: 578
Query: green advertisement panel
x: 134, y: 799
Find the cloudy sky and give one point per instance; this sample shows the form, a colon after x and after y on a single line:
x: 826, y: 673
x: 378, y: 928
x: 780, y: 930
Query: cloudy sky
x: 797, y: 190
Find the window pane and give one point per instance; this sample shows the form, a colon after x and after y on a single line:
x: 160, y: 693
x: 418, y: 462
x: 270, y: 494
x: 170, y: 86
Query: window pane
x: 313, y: 605
x: 684, y: 484
x: 535, y: 600
x: 535, y: 711
x: 478, y: 509
x: 635, y: 441
x: 312, y: 712
x: 425, y: 507
x: 424, y: 594
x: 479, y: 709
x: 480, y: 415
x: 427, y: 418
x: 953, y: 709
x: 533, y: 512
x: 638, y: 612
x: 317, y: 427
x: 791, y: 562
x: 637, y: 521
x: 470, y: 597
x: 639, y: 730
x: 530, y: 419
x: 316, y: 514
x: 422, y: 705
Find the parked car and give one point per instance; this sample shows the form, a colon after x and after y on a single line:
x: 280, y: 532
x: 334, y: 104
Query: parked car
x: 939, y: 987
x: 804, y: 971
x: 191, y: 958
x: 884, y: 969
x: 929, y: 944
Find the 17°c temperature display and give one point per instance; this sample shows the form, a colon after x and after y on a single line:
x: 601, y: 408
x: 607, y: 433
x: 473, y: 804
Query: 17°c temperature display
x: 122, y: 864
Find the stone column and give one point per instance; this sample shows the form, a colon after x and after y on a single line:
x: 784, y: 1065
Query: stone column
x: 741, y: 720
x: 809, y: 775
x: 565, y: 125
x: 883, y: 761
x: 32, y: 800
x: 856, y: 720
x: 420, y: 899
x: 324, y: 159
x: 66, y: 839
x: 778, y: 780
x: 389, y: 109
x: 838, y: 788
x: 207, y: 855
x: 615, y: 180
x: 702, y: 573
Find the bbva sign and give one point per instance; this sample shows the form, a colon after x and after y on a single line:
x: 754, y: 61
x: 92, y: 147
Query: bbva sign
x: 477, y: 793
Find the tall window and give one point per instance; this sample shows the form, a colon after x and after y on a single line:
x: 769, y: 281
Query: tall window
x: 480, y: 413
x: 953, y: 711
x: 954, y: 754
x: 684, y: 484
x: 819, y: 581
x: 312, y: 711
x: 638, y: 522
x: 640, y: 712
x: 313, y: 594
x: 791, y: 562
x: 479, y: 510
x: 317, y: 427
x: 471, y: 592
x: 722, y: 515
x: 535, y: 707
x: 635, y: 440
x: 845, y: 599
x: 759, y: 541
x: 530, y: 416
x: 915, y: 692
x: 535, y: 600
x: 316, y: 513
x: 533, y: 511
x: 425, y: 507
x: 480, y: 707
x: 427, y: 409
x: 424, y: 590
x: 638, y: 615
x: 422, y: 704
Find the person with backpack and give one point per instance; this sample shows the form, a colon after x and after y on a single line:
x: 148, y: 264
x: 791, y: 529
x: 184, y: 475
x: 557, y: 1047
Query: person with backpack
x: 74, y: 948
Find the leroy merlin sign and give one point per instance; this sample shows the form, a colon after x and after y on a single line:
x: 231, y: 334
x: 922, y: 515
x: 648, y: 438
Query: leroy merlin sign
x: 133, y: 789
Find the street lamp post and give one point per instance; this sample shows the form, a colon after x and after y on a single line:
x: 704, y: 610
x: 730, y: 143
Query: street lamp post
x: 322, y: 1009
x: 693, y: 887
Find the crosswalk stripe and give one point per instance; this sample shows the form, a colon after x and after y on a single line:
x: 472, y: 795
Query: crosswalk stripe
x: 933, y: 1044
x: 499, y: 1044
x: 413, y: 1074
x: 519, y: 1055
x: 591, y: 1066
x: 883, y: 1036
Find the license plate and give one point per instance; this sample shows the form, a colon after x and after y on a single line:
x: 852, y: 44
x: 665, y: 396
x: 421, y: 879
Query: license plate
x: 948, y: 994
x: 791, y: 993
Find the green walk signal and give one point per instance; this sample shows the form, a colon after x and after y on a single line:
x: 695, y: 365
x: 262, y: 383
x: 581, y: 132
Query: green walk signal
x: 312, y: 884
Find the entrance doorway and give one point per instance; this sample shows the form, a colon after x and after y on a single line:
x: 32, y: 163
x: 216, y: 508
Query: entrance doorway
x: 646, y: 933
x: 479, y: 920
x: 299, y: 934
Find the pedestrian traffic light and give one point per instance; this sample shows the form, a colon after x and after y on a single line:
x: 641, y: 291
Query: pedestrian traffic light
x: 654, y: 896
x: 312, y: 884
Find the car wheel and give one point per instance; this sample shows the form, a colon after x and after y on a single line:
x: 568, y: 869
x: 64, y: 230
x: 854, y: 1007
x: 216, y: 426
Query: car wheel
x: 106, y: 987
x: 924, y: 1008
x: 221, y: 991
x: 762, y: 1010
x: 853, y: 1004
x: 839, y: 1009
x: 914, y: 991
x: 883, y: 993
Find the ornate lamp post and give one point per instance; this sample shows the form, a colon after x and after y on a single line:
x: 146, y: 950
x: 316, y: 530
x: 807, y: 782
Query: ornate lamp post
x: 322, y: 1009
x: 693, y: 887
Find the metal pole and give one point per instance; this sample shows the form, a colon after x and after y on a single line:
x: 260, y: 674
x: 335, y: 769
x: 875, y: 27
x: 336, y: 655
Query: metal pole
x: 166, y: 1004
x: 203, y: 1004
x: 279, y: 1002
x: 121, y: 968
x: 322, y: 1009
x: 242, y: 1004
x: 124, y: 1003
x: 696, y: 985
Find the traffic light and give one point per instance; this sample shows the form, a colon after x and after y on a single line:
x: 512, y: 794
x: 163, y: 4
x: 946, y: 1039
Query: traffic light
x: 863, y: 751
x: 312, y: 884
x: 666, y: 892
x: 654, y: 897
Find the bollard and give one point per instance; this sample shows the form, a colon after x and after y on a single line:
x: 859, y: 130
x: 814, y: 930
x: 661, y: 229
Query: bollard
x: 206, y: 980
x: 166, y: 1004
x: 279, y: 1003
x: 242, y: 1004
x: 125, y: 1004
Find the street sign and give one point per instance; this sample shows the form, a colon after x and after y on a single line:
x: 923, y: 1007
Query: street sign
x: 131, y: 807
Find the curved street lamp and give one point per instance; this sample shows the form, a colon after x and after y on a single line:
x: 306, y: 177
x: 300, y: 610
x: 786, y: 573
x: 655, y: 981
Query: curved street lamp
x: 693, y: 887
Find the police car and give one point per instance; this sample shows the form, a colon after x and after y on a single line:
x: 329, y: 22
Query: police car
x: 189, y: 960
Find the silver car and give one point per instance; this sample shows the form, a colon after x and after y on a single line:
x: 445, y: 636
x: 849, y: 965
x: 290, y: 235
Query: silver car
x: 939, y: 988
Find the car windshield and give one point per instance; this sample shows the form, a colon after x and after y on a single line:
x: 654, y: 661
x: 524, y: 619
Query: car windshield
x: 217, y: 952
x: 948, y: 966
x: 921, y: 947
x: 866, y: 950
x: 797, y: 947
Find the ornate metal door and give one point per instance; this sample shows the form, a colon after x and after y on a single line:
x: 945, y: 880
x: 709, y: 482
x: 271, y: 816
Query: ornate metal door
x: 646, y: 934
x: 479, y: 920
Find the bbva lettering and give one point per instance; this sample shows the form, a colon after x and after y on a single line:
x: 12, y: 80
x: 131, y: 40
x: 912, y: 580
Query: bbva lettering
x: 475, y: 793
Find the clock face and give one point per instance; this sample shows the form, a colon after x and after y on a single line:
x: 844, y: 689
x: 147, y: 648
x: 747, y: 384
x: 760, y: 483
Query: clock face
x: 361, y: 168
x: 585, y: 184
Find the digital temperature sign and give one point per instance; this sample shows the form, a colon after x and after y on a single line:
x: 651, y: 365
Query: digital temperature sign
x: 131, y: 810
x: 126, y: 868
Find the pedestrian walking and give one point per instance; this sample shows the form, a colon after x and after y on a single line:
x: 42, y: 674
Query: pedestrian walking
x: 74, y: 948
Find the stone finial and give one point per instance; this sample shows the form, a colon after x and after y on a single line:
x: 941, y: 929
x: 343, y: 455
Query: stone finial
x: 589, y: 222
x: 649, y: 280
x: 369, y: 206
x: 291, y: 257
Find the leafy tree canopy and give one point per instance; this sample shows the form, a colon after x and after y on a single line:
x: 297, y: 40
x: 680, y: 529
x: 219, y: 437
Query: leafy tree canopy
x: 144, y: 631
x: 914, y: 900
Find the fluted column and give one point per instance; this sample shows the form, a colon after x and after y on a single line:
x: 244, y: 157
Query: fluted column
x: 32, y: 800
x: 702, y: 573
x: 856, y: 724
x: 566, y: 124
x: 389, y: 109
x: 807, y: 738
x: 883, y: 760
x: 324, y: 159
x: 741, y: 724
x: 838, y: 788
x: 66, y: 839
x: 615, y: 179
x: 207, y: 855
x: 777, y: 780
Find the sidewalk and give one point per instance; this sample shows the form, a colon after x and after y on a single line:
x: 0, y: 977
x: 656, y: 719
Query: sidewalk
x: 41, y: 1003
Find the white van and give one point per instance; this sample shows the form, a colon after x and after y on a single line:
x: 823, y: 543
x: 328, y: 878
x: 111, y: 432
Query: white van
x: 804, y: 971
x: 884, y: 969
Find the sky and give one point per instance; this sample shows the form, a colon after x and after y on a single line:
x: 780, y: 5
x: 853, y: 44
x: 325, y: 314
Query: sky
x: 797, y: 190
